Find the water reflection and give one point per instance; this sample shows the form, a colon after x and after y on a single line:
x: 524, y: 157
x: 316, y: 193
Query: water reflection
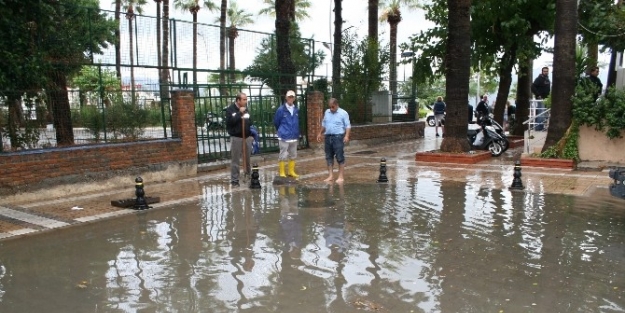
x: 423, y: 245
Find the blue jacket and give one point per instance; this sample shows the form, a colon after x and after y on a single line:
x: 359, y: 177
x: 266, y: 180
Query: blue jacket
x: 439, y: 107
x: 287, y: 125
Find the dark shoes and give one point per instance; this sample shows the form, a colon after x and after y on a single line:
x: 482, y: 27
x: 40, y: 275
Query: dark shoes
x: 234, y: 184
x: 437, y: 135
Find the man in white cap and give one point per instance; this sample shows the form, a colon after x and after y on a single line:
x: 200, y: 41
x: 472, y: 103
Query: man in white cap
x: 286, y: 121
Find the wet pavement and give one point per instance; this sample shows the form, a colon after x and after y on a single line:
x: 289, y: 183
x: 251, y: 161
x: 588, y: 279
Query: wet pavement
x: 436, y: 238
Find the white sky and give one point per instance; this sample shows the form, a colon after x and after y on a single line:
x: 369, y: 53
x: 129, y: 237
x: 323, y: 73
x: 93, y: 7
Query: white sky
x: 320, y: 27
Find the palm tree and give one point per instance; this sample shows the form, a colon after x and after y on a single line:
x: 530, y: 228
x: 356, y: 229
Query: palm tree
x: 164, y: 71
x: 284, y: 15
x: 457, y: 74
x: 238, y: 18
x: 130, y: 6
x: 392, y: 15
x: 300, y: 9
x: 373, y: 20
x: 563, y: 71
x: 158, y: 37
x: 193, y: 6
x: 222, y: 46
x: 118, y: 52
x: 336, y: 56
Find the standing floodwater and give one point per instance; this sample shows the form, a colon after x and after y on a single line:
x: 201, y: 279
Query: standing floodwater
x: 423, y: 245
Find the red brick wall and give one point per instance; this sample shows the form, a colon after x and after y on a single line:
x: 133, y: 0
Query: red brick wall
x: 31, y: 170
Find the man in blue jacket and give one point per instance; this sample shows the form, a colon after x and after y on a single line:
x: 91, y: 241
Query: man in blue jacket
x: 286, y: 121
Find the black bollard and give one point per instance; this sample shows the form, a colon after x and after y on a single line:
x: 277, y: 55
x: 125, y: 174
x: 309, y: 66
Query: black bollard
x: 517, y: 183
x: 382, y: 178
x: 255, y: 182
x: 140, y: 202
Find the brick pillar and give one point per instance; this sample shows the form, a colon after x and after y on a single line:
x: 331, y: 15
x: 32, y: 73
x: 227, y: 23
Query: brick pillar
x: 183, y: 121
x: 314, y: 105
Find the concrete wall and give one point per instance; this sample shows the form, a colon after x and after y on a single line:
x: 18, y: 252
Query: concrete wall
x: 52, y: 173
x: 371, y: 132
x: 596, y: 146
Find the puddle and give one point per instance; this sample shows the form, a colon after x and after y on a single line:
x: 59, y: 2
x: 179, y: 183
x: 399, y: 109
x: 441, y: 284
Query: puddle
x: 422, y: 245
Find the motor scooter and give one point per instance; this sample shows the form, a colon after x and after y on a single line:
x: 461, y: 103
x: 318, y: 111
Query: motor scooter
x: 490, y: 123
x: 491, y: 140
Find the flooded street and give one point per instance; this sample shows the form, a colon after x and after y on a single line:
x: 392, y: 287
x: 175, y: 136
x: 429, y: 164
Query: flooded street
x: 418, y: 245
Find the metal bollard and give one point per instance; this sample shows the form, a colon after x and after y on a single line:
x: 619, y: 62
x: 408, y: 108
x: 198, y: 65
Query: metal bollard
x: 255, y: 182
x: 140, y: 202
x: 382, y: 178
x: 517, y: 183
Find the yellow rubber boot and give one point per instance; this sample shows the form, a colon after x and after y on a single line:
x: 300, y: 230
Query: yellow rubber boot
x: 292, y: 169
x: 281, y: 169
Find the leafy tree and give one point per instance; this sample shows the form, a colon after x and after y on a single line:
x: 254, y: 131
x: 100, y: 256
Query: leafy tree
x: 49, y: 44
x: 363, y: 68
x: 265, y: 67
x: 238, y: 18
x: 93, y: 79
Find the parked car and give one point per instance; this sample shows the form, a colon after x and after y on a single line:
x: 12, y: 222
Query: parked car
x: 214, y: 121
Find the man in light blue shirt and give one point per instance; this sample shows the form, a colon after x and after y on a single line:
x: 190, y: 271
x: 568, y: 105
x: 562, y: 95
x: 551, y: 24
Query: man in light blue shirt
x: 335, y: 127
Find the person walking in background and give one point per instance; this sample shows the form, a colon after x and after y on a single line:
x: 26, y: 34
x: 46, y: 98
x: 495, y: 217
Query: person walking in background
x: 439, y: 115
x: 592, y: 83
x: 482, y: 108
x: 335, y: 127
x: 470, y: 111
x: 238, y: 122
x: 510, y: 116
x: 541, y: 88
x: 286, y: 121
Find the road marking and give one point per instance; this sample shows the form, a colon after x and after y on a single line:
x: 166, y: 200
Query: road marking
x: 31, y: 219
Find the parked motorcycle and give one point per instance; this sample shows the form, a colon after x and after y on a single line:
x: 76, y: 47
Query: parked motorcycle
x: 490, y: 122
x: 492, y: 141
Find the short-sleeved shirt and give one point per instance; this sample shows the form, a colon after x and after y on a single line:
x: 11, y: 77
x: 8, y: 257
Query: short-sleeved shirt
x: 336, y: 123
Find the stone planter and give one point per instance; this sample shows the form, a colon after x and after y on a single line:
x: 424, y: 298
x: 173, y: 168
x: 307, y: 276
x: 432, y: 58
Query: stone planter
x: 548, y: 163
x: 457, y: 158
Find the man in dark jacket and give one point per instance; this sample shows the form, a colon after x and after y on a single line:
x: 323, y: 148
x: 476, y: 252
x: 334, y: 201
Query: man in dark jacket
x: 238, y: 122
x: 482, y: 109
x: 541, y: 88
x: 592, y: 83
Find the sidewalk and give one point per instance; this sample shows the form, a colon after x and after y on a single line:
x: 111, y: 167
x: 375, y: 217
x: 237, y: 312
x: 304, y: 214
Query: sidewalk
x: 363, y: 160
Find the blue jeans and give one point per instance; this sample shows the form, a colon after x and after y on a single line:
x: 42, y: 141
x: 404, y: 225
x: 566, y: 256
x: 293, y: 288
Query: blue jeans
x: 334, y: 148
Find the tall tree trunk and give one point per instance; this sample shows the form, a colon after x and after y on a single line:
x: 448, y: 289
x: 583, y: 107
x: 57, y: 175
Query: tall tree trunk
x: 194, y: 12
x: 15, y: 119
x: 59, y: 99
x: 232, y: 35
x: 523, y: 96
x: 612, y: 69
x: 118, y: 51
x: 457, y: 74
x: 222, y: 47
x: 158, y: 44
x: 505, y: 80
x: 165, y: 53
x: 283, y: 32
x: 132, y: 58
x: 336, y: 57
x: 563, y: 71
x: 392, y: 71
x: 373, y: 20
